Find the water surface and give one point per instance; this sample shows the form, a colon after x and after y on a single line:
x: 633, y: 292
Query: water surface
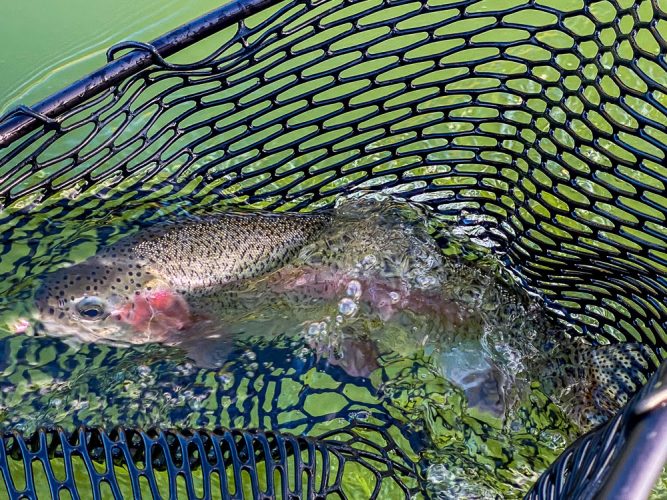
x: 45, y: 45
x: 463, y: 394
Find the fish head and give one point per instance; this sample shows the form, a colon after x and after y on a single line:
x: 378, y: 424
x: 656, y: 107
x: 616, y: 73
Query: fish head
x: 100, y: 300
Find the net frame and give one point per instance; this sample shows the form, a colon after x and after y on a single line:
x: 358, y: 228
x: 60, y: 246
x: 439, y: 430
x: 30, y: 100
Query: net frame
x: 620, y: 459
x: 639, y: 277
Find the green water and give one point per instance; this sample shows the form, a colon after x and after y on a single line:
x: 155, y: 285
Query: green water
x: 46, y: 45
x: 49, y: 381
x: 278, y: 376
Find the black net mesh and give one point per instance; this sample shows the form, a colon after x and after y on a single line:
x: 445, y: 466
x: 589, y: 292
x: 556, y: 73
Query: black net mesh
x: 203, y: 464
x: 583, y: 469
x: 536, y: 125
x: 540, y: 122
x: 371, y: 449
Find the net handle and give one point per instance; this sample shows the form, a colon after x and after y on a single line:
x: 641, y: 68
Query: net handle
x: 640, y: 464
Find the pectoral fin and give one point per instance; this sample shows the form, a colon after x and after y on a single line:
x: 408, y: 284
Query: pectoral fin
x: 469, y: 368
x: 206, y: 343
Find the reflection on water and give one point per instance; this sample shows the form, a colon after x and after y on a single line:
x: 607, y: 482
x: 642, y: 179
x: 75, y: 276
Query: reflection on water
x: 299, y: 323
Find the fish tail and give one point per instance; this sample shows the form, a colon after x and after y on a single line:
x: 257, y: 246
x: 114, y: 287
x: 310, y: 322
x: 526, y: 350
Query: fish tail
x: 618, y: 371
x: 596, y: 382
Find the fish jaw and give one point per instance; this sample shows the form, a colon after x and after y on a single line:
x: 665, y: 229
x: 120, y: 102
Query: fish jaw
x: 159, y: 315
x: 21, y: 325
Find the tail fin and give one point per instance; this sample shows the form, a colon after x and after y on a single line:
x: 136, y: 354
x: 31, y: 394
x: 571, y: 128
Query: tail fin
x: 593, y: 383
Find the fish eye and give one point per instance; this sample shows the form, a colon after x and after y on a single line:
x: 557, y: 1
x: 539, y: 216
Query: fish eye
x: 90, y: 308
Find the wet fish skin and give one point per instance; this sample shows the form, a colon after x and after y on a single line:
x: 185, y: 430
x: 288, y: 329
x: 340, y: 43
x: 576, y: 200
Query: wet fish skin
x: 216, y: 251
x: 199, y: 255
x: 169, y: 278
x: 190, y: 258
x: 593, y: 383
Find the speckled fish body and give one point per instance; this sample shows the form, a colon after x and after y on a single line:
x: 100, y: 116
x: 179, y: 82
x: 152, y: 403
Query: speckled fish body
x: 150, y: 280
x: 184, y: 282
x: 195, y: 256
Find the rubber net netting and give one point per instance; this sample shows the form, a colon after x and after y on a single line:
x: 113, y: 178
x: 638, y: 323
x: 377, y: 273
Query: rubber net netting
x: 537, y: 126
x: 583, y: 467
x: 200, y: 464
x: 541, y: 123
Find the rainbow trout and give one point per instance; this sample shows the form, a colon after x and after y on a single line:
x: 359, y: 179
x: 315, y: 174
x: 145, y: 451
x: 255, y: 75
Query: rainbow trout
x: 182, y: 283
x: 152, y: 285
